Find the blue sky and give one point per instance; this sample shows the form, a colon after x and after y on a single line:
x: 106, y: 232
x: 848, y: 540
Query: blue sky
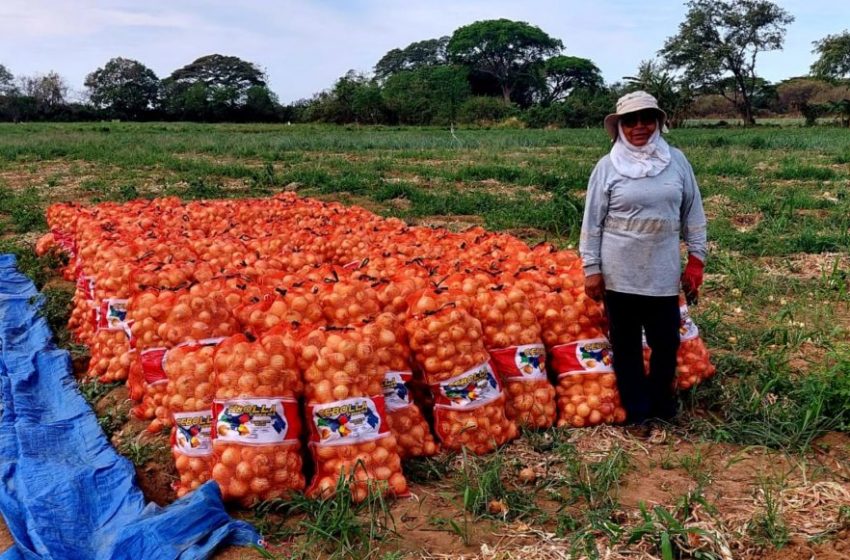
x: 305, y: 45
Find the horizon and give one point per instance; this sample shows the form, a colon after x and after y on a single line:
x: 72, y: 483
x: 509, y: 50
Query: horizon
x: 304, y: 47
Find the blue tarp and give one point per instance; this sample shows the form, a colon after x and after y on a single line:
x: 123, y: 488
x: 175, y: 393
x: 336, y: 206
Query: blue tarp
x: 66, y: 494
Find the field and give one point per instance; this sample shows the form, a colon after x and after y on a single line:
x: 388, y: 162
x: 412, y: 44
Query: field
x: 758, y: 466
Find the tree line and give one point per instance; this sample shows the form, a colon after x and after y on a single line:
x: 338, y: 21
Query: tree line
x: 493, y: 70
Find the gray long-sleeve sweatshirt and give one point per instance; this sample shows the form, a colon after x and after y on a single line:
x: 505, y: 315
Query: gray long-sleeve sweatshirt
x: 631, y: 227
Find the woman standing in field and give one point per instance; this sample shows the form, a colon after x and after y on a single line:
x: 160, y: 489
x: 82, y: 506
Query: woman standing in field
x: 641, y: 197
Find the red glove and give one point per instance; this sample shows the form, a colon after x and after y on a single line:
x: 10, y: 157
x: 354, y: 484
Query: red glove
x: 692, y: 278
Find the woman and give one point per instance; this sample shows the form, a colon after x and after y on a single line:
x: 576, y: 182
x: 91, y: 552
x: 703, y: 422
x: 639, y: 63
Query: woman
x: 641, y: 197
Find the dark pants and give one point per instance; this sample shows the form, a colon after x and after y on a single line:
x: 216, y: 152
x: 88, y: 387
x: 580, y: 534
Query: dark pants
x: 644, y: 396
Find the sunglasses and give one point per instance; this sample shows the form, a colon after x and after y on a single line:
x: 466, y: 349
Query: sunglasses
x: 645, y: 117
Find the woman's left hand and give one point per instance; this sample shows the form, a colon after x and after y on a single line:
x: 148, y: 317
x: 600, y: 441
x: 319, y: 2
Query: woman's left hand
x: 692, y: 278
x: 594, y: 287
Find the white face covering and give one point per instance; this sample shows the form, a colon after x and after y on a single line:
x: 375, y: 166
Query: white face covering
x: 637, y: 162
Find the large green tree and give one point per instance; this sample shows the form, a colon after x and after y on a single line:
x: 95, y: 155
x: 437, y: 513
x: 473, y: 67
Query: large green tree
x: 723, y: 38
x: 430, y: 52
x: 563, y: 74
x: 124, y: 86
x: 427, y: 95
x: 212, y: 87
x: 509, y: 51
x: 833, y: 56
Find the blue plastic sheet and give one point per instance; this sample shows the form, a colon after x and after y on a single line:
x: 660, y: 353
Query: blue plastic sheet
x: 65, y: 493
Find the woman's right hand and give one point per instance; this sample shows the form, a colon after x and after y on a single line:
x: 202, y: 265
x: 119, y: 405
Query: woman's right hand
x: 594, y: 287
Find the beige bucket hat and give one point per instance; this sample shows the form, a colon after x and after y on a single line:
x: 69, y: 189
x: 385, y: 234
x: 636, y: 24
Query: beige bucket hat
x: 630, y: 103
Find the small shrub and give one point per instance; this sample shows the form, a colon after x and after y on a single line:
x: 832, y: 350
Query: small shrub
x: 485, y: 109
x: 25, y: 209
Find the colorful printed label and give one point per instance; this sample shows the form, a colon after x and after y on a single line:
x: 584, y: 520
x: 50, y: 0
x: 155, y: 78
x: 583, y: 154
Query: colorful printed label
x: 347, y: 421
x: 592, y: 355
x: 396, y: 392
x: 192, y: 433
x: 153, y: 365
x: 687, y: 328
x: 256, y: 421
x: 112, y: 315
x: 471, y: 389
x: 86, y: 285
x: 524, y: 363
x: 65, y: 241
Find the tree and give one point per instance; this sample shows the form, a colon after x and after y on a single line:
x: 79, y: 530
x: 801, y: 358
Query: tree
x: 48, y: 90
x: 261, y: 104
x: 794, y: 93
x: 216, y: 85
x: 7, y: 82
x: 431, y: 52
x: 720, y: 38
x: 673, y: 95
x: 428, y: 95
x: 125, y: 87
x: 507, y: 50
x: 833, y: 56
x: 563, y: 74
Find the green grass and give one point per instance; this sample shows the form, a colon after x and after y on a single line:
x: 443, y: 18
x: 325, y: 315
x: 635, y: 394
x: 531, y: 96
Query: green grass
x: 337, y: 527
x: 773, y: 313
x: 38, y: 269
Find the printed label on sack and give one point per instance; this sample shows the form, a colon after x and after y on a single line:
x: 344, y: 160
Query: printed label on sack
x: 470, y: 389
x: 526, y: 362
x: 86, y: 286
x: 687, y: 328
x: 347, y: 421
x: 65, y: 241
x: 153, y: 368
x: 192, y: 433
x: 112, y: 315
x: 396, y: 392
x: 256, y: 421
x: 592, y: 355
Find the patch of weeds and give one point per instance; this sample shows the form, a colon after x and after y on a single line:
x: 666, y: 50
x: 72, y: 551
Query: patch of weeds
x: 596, y: 483
x: 93, y: 390
x: 112, y: 420
x: 198, y: 188
x: 757, y: 143
x: 138, y: 453
x: 53, y: 180
x: 830, y: 387
x: 696, y: 467
x: 768, y: 527
x: 717, y: 141
x: 542, y: 441
x: 263, y: 180
x: 461, y: 529
x: 422, y: 470
x: 730, y: 168
x: 126, y: 193
x: 337, y: 526
x: 770, y: 407
x: 56, y: 309
x: 670, y: 534
x: 796, y: 170
x: 25, y: 209
x: 482, y: 484
x: 38, y: 269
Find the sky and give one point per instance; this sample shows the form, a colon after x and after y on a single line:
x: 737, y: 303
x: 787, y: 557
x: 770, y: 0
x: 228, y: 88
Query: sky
x: 305, y: 45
